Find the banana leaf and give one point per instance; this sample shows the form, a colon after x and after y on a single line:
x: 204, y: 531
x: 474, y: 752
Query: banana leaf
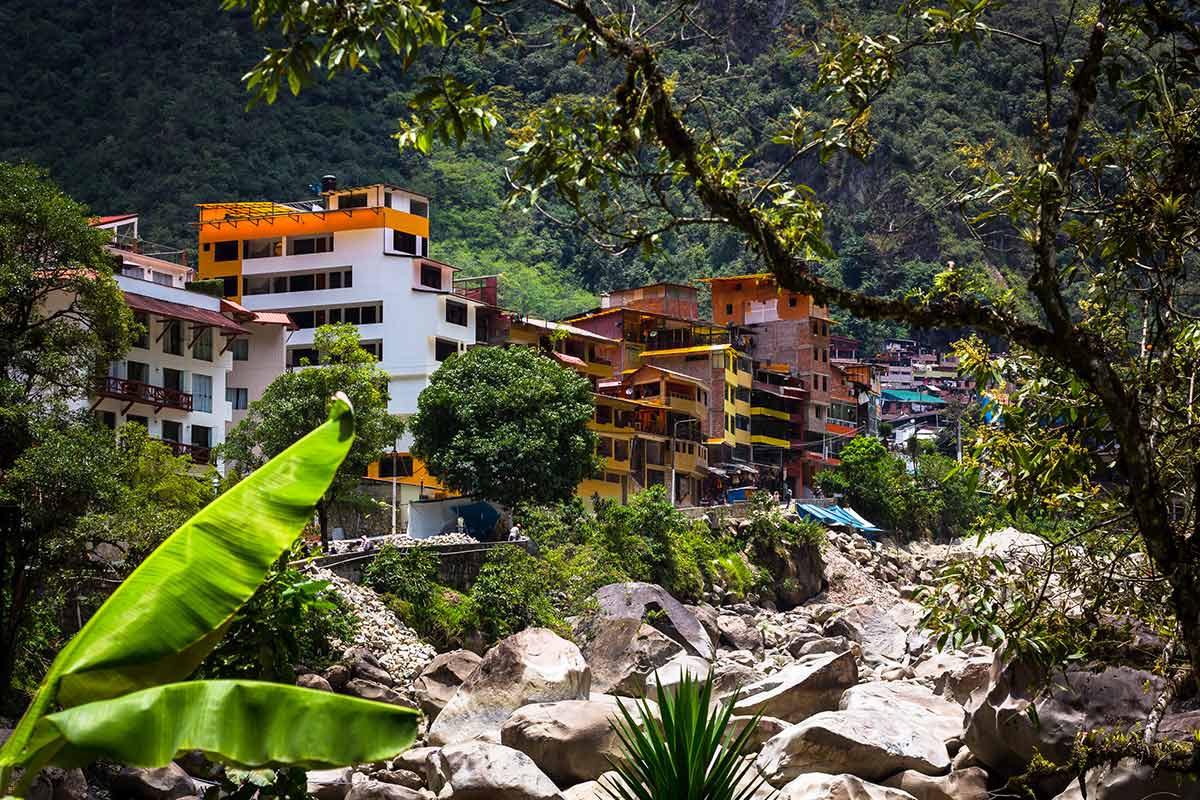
x: 171, y: 611
x: 246, y: 724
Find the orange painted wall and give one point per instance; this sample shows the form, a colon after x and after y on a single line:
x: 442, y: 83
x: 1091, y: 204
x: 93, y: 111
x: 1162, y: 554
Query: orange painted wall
x: 730, y: 296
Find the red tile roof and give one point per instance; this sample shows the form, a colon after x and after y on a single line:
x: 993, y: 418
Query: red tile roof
x: 165, y: 308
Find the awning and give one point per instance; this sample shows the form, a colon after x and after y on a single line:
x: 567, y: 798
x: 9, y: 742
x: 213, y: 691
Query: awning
x: 198, y: 316
x: 716, y: 471
x: 836, y: 515
x: 572, y: 360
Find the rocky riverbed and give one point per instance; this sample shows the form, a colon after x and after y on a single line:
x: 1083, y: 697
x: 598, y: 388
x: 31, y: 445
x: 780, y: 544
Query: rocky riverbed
x: 856, y: 703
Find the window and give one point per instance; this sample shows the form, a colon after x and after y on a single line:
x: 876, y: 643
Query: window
x: 444, y: 348
x: 202, y: 347
x: 307, y: 245
x: 356, y: 200
x: 241, y: 349
x: 303, y: 319
x: 418, y: 208
x: 262, y: 248
x: 824, y: 328
x: 301, y: 283
x: 424, y: 247
x: 431, y: 276
x: 374, y: 348
x: 202, y: 393
x: 107, y: 418
x: 604, y: 447
x: 347, y: 279
x: 456, y: 313
x: 138, y: 420
x: 825, y: 355
x: 279, y: 284
x: 824, y: 383
x: 237, y: 397
x: 603, y: 415
x: 137, y: 371
x: 133, y: 272
x: 173, y: 341
x: 303, y: 357
x: 729, y: 308
x: 396, y: 465
x: 792, y: 301
x: 387, y: 199
x: 229, y: 286
x: 620, y: 450
x: 142, y: 342
x: 351, y: 315
x: 371, y: 315
x: 335, y: 280
x: 743, y: 422
x: 171, y: 430
x: 225, y: 251
x: 404, y: 242
x: 162, y: 278
x: 335, y: 315
x: 201, y: 436
x: 612, y: 477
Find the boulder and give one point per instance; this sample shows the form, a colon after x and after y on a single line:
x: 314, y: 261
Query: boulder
x: 622, y: 652
x: 765, y: 728
x: 707, y: 615
x: 592, y: 790
x: 801, y: 689
x: 481, y: 771
x: 670, y: 675
x: 415, y: 759
x: 330, y: 784
x: 198, y: 765
x: 533, y: 666
x: 739, y: 634
x: 1130, y: 780
x: 369, y: 690
x: 871, y: 627
x: 313, y: 681
x: 636, y: 600
x: 868, y: 744
x: 730, y: 677
x: 1003, y: 735
x: 400, y: 777
x: 441, y: 678
x: 813, y: 645
x: 380, y: 790
x: 965, y: 784
x: 955, y: 677
x: 160, y: 783
x: 821, y: 786
x: 54, y: 783
x: 797, y: 572
x: 910, y: 701
x: 571, y: 740
x: 364, y: 665
x: 337, y: 676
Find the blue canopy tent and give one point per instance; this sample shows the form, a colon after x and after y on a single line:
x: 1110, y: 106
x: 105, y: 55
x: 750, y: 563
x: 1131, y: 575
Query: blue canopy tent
x: 479, y: 518
x: 836, y: 515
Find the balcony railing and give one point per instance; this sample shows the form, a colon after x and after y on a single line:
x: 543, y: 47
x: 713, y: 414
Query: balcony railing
x: 199, y: 453
x: 148, y: 394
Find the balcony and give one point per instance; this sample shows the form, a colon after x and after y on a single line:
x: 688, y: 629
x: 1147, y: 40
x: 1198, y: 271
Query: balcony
x: 199, y: 454
x: 147, y: 394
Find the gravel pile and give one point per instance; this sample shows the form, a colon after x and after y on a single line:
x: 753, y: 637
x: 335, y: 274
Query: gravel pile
x: 394, y: 644
x: 401, y: 540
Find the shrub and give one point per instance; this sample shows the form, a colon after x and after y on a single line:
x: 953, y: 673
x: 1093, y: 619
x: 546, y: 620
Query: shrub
x: 511, y: 593
x: 556, y: 525
x: 409, y: 573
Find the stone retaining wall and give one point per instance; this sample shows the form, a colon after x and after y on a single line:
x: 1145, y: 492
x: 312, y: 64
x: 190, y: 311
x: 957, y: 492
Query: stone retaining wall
x: 458, y: 565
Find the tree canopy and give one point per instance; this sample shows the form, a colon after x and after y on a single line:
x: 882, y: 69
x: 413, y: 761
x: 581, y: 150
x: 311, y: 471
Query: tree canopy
x: 506, y: 424
x: 298, y: 401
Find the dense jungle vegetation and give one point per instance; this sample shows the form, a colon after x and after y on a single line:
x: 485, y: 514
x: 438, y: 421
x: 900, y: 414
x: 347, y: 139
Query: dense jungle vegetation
x: 138, y: 107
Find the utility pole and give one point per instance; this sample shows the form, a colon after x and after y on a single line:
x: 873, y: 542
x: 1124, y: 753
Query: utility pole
x: 395, y: 456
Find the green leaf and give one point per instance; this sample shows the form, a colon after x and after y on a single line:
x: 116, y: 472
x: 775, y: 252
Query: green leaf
x: 247, y: 724
x: 168, y: 615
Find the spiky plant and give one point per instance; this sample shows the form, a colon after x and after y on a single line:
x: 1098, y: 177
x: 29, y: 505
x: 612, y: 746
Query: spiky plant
x: 682, y: 752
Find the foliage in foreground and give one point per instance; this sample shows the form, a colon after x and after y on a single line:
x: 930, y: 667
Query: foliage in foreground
x: 682, y: 750
x: 120, y: 685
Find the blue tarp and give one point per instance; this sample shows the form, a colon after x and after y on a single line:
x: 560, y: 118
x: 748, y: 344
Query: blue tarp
x: 836, y: 515
x: 737, y: 495
x: 479, y: 518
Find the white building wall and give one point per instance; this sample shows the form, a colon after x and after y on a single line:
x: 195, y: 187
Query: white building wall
x: 266, y: 354
x: 412, y: 318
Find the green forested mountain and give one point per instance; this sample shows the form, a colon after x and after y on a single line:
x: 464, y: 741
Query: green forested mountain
x: 136, y: 105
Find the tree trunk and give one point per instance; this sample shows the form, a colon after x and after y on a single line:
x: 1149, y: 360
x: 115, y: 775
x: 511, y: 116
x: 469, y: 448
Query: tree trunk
x: 323, y: 521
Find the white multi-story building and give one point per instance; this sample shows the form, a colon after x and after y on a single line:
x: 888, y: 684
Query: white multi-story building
x: 356, y: 255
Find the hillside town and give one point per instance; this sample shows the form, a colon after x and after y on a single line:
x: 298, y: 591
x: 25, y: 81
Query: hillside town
x: 762, y: 396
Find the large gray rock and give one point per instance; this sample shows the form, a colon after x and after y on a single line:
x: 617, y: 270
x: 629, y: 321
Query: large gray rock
x: 330, y: 784
x: 801, y: 689
x: 955, y: 677
x: 863, y: 743
x: 964, y: 784
x: 797, y: 572
x: 380, y: 790
x: 910, y: 702
x: 571, y: 740
x: 53, y: 783
x: 1004, y: 736
x: 739, y: 634
x: 1130, y: 780
x: 871, y: 627
x: 160, y: 783
x: 311, y: 680
x: 370, y: 690
x: 482, y: 771
x: 622, y: 652
x: 821, y: 786
x: 765, y: 729
x: 635, y: 600
x: 671, y: 674
x: 533, y: 666
x: 441, y: 678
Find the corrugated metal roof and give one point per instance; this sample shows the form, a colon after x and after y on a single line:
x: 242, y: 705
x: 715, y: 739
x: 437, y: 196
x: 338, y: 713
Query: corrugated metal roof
x: 165, y: 308
x: 703, y: 348
x: 905, y: 396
